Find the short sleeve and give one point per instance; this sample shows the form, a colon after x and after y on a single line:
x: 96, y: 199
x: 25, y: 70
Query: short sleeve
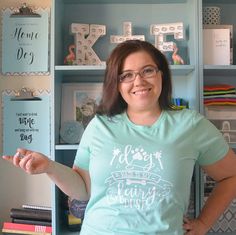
x: 208, y: 141
x: 82, y: 156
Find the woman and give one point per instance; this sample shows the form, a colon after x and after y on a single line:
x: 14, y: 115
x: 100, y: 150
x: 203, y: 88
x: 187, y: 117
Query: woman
x: 136, y: 158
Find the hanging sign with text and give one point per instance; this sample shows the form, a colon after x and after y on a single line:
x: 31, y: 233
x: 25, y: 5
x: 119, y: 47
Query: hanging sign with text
x: 26, y: 124
x: 25, y: 43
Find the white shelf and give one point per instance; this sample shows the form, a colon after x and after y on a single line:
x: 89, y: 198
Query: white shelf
x: 124, y: 1
x: 66, y: 146
x: 220, y: 70
x: 96, y: 70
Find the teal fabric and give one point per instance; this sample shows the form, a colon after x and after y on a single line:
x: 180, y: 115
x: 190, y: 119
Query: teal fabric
x: 141, y: 175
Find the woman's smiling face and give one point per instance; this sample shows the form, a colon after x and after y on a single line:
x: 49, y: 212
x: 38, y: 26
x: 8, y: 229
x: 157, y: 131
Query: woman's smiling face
x: 142, y: 94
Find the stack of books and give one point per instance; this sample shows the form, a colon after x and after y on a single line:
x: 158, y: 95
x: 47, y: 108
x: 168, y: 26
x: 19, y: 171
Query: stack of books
x: 29, y: 220
x: 23, y: 229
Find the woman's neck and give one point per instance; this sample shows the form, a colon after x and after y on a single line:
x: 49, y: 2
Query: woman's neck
x: 144, y: 117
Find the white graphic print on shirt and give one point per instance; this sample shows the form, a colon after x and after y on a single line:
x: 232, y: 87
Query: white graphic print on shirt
x: 136, y: 182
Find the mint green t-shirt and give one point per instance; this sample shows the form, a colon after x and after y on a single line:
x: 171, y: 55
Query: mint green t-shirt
x: 141, y: 175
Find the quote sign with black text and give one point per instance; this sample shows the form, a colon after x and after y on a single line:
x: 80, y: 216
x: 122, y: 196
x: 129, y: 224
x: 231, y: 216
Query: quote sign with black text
x: 25, y: 43
x: 26, y: 125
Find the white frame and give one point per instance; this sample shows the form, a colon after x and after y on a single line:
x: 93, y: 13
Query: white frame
x: 68, y: 104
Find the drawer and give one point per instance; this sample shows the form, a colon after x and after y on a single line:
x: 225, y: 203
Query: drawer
x: 220, y: 112
x: 225, y: 125
x: 230, y: 137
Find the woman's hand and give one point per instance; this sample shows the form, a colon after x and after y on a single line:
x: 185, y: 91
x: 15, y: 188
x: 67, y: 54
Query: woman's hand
x: 194, y: 227
x: 31, y: 162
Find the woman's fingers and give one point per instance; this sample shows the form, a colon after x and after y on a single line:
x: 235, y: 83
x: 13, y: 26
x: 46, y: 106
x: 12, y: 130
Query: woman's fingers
x: 24, y: 161
x: 16, y: 159
x: 23, y: 152
x: 189, y: 233
x: 187, y: 225
x: 30, y: 162
x: 8, y: 158
x: 186, y: 219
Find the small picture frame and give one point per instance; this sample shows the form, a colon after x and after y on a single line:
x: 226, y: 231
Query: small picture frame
x: 79, y: 103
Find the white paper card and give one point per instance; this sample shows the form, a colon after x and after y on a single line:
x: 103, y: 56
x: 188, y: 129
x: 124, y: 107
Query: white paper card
x: 216, y: 46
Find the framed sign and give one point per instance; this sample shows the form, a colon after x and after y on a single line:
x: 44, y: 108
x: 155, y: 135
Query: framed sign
x: 26, y: 122
x: 25, y: 42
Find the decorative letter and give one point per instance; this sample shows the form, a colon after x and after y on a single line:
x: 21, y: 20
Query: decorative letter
x: 127, y: 34
x: 162, y: 30
x: 85, y: 37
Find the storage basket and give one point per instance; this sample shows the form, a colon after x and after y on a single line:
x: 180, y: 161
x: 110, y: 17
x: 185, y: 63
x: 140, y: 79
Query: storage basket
x: 211, y: 15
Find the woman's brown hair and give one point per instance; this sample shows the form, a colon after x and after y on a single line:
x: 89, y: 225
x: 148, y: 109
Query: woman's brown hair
x: 112, y: 102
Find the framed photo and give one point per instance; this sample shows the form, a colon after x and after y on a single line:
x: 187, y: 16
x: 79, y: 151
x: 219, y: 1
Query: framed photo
x: 79, y: 103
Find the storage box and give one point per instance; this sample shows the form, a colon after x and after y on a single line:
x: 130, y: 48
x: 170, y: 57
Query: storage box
x: 211, y: 15
x: 226, y: 222
x: 230, y: 136
x: 216, y: 46
x: 220, y: 112
x: 227, y: 128
x: 224, y: 118
x: 225, y: 125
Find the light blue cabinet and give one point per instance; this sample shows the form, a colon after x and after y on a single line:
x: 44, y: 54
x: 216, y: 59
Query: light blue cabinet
x: 188, y: 79
x: 218, y: 74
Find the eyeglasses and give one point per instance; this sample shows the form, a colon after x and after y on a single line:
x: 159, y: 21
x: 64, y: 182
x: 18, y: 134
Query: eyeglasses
x: 146, y: 72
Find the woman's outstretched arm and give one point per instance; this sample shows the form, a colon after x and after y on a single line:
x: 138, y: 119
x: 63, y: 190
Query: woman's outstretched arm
x: 71, y: 181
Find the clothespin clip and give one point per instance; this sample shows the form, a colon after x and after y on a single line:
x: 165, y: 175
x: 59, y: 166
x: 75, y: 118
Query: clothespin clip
x: 25, y: 11
x: 25, y: 94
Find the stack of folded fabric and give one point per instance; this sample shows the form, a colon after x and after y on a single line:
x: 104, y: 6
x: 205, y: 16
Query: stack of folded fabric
x: 219, y: 94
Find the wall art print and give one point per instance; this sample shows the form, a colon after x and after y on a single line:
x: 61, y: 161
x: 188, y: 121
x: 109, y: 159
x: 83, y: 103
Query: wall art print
x: 79, y: 103
x: 25, y: 42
